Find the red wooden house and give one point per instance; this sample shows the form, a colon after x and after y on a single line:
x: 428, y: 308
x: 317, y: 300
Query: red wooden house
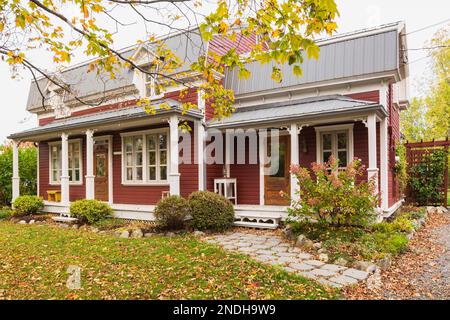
x: 346, y: 104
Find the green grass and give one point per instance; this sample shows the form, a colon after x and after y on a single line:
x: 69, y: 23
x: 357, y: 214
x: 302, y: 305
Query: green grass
x: 35, y: 258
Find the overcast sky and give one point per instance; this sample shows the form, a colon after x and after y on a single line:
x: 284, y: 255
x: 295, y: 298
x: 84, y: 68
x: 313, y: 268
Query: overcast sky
x: 355, y: 14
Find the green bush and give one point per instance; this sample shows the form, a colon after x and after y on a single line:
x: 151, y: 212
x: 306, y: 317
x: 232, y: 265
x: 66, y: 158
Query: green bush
x: 427, y: 178
x: 171, y: 212
x: 27, y: 172
x: 5, y: 212
x: 26, y: 205
x: 90, y: 211
x: 210, y: 211
x: 333, y: 196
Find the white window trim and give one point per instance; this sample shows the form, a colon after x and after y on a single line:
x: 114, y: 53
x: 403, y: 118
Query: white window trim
x: 57, y: 143
x: 145, y: 181
x: 332, y: 129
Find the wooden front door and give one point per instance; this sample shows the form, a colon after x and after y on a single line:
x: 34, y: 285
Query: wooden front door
x: 101, y: 170
x: 279, y: 181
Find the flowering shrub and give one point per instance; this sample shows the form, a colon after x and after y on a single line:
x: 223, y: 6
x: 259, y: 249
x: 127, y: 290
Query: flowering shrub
x: 334, y: 196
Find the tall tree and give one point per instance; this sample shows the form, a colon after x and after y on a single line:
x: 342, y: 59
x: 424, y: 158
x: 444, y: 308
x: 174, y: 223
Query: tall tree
x: 428, y: 117
x: 286, y: 30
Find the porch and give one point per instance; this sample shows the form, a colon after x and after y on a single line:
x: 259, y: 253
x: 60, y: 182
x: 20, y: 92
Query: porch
x: 115, y: 156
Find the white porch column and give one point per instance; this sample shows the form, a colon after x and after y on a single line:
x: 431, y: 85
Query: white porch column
x: 262, y: 162
x: 200, y: 136
x: 174, y: 175
x: 384, y: 163
x: 294, y: 132
x: 372, y: 170
x: 90, y: 192
x: 15, y: 176
x: 65, y: 169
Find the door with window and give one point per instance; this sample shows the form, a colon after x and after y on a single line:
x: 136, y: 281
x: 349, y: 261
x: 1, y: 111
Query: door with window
x: 101, y: 170
x: 280, y: 180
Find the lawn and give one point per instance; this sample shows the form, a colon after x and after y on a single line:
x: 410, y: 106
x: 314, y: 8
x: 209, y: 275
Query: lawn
x: 34, y: 261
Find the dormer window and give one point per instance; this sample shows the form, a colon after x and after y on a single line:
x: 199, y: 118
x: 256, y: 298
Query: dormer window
x: 153, y: 86
x: 56, y: 102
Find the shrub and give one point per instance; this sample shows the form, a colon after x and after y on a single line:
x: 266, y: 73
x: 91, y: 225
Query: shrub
x: 26, y: 205
x: 333, y: 196
x: 171, y: 212
x: 90, y: 211
x: 210, y: 211
x: 27, y: 172
x: 427, y: 177
x: 5, y: 212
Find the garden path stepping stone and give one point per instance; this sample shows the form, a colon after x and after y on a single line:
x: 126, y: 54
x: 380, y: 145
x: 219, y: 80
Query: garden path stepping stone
x: 275, y: 250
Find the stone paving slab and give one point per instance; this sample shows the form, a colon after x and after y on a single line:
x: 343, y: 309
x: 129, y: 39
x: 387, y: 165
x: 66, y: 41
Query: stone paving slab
x: 275, y: 250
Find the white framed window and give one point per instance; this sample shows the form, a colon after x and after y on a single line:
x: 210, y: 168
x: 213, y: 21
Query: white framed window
x: 153, y: 86
x: 335, y: 141
x: 145, y: 157
x: 75, y: 163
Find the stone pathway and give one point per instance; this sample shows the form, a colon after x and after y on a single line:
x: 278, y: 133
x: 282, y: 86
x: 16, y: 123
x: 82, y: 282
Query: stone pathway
x: 274, y: 250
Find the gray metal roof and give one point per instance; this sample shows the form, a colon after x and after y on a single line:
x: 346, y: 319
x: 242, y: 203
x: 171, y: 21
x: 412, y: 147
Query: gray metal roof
x: 368, y: 53
x: 187, y: 46
x: 106, y: 117
x: 295, y: 110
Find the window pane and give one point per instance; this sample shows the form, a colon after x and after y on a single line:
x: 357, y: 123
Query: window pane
x: 163, y: 157
x: 129, y: 174
x: 77, y: 162
x: 152, y: 158
x: 129, y: 160
x: 128, y: 145
x: 326, y: 141
x: 76, y: 147
x: 163, y: 141
x: 55, y: 175
x: 139, y: 159
x: 70, y: 175
x: 152, y: 173
x: 163, y: 173
x: 139, y: 173
x: 77, y: 175
x: 326, y: 156
x: 152, y: 142
x: 342, y: 156
x: 55, y: 164
x: 138, y: 143
x: 342, y: 141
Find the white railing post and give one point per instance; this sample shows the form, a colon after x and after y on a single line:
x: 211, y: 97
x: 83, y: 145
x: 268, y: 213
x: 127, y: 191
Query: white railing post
x: 65, y: 169
x: 90, y: 178
x: 15, y: 176
x: 372, y: 170
x: 174, y: 175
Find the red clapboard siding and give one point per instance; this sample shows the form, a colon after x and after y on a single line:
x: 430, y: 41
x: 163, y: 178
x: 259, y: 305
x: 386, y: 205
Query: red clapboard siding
x: 373, y: 96
x: 247, y: 177
x: 189, y: 171
x: 394, y: 128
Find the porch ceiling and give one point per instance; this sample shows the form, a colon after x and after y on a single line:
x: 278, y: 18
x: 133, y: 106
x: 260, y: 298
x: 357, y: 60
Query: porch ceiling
x: 106, y: 120
x: 298, y: 110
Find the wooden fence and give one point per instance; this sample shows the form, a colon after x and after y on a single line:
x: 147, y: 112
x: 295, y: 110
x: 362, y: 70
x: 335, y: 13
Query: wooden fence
x: 415, y: 153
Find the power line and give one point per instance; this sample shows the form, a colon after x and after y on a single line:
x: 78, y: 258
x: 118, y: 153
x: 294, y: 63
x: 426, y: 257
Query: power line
x: 427, y: 27
x: 426, y: 48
